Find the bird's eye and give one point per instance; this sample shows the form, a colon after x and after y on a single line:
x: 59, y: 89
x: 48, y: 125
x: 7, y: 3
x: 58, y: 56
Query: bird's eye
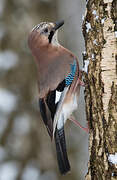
x: 45, y: 30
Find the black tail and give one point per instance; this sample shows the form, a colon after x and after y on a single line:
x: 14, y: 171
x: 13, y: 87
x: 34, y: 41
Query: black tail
x: 62, y: 157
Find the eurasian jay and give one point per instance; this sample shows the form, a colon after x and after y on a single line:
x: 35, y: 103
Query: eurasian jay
x: 58, y: 83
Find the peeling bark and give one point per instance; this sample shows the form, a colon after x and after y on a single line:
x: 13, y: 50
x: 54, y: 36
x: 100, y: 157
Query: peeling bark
x: 101, y: 86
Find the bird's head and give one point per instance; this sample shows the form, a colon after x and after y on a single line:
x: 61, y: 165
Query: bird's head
x: 45, y: 33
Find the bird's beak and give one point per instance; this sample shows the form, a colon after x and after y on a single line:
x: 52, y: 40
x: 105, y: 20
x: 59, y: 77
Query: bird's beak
x: 58, y: 24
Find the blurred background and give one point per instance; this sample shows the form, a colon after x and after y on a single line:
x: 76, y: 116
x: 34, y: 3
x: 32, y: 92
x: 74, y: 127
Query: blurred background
x: 26, y: 151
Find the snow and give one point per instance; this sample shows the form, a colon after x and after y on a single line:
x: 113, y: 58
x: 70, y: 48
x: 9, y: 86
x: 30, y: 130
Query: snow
x: 3, y: 153
x: 97, y: 17
x: 21, y: 124
x: 102, y: 20
x: 113, y: 158
x: 116, y: 34
x: 95, y: 42
x: 31, y: 172
x: 83, y: 17
x: 86, y: 1
x: 8, y: 59
x: 112, y: 174
x: 88, y: 27
x: 8, y: 101
x: 85, y: 68
x: 94, y: 12
x: 93, y: 57
x: 8, y: 170
x: 84, y: 53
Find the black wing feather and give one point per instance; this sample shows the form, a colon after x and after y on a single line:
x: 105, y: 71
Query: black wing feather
x: 46, y: 116
x: 48, y: 110
x: 62, y: 157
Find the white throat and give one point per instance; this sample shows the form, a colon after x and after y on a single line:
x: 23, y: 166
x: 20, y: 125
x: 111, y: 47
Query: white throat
x: 55, y: 39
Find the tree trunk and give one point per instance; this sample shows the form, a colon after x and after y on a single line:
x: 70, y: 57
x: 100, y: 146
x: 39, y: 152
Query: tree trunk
x: 100, y: 66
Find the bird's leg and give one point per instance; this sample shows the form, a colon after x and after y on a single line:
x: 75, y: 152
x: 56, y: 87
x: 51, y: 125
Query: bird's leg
x: 78, y: 124
x: 81, y: 82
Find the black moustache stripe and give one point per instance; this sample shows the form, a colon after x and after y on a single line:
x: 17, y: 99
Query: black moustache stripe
x: 50, y: 36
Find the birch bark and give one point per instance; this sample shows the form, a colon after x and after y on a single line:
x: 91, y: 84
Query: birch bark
x: 100, y: 60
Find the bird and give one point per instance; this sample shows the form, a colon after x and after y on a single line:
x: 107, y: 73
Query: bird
x: 59, y: 81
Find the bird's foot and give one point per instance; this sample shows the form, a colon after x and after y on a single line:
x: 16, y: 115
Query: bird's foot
x: 81, y: 82
x: 78, y: 124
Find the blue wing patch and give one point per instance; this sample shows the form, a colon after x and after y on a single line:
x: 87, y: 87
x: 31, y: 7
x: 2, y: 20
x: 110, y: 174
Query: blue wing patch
x: 70, y: 77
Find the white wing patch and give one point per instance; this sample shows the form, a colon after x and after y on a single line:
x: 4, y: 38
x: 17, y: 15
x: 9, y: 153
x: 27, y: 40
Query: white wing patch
x: 58, y: 95
x: 64, y: 110
x: 59, y: 108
